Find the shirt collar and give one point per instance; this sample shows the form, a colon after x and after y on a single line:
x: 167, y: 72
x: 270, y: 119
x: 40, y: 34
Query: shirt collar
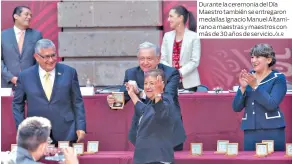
x: 42, y: 72
x: 272, y: 75
x: 17, y: 30
x: 24, y: 152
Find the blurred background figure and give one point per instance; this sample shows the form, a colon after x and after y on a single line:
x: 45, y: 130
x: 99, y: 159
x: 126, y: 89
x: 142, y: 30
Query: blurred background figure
x: 17, y: 46
x: 33, y: 138
x: 261, y: 93
x: 181, y: 48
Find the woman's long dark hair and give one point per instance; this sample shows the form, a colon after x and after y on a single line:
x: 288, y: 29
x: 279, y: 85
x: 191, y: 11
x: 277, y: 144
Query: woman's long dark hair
x: 181, y: 10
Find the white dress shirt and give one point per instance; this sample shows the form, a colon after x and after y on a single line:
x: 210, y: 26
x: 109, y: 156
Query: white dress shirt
x: 42, y: 74
x: 17, y: 33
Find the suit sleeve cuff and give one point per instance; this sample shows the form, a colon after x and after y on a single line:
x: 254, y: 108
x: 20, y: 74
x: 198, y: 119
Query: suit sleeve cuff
x: 139, y: 108
x: 10, y: 76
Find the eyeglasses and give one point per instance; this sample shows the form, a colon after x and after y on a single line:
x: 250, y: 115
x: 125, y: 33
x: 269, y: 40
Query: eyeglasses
x: 47, y: 57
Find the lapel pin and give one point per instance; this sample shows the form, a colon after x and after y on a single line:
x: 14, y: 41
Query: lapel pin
x: 59, y: 73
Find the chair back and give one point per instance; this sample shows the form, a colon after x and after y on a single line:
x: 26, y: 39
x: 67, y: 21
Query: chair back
x: 202, y: 88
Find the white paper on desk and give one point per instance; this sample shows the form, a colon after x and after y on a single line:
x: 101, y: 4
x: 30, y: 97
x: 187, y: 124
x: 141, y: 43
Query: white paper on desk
x: 222, y: 146
x: 78, y: 149
x: 87, y: 91
x: 92, y: 146
x: 196, y: 149
x: 6, y: 92
x: 13, y: 147
x: 289, y: 149
x: 262, y: 150
x: 64, y: 145
x: 232, y: 149
x: 218, y: 92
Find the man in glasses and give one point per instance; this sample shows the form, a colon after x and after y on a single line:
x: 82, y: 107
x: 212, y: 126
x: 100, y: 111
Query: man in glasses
x: 17, y: 46
x: 51, y: 90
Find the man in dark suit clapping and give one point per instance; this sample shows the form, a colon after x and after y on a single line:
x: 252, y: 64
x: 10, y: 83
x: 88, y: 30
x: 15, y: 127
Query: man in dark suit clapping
x: 17, y: 47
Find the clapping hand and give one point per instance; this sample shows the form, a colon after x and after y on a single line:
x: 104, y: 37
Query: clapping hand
x: 242, y: 79
x: 246, y: 78
x: 251, y: 80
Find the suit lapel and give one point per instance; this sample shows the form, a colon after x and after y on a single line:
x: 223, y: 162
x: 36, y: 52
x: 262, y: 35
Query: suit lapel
x: 140, y: 78
x: 27, y: 37
x: 160, y: 66
x: 170, y: 45
x: 185, y: 40
x: 14, y: 41
x: 39, y: 83
x: 58, y: 77
x: 57, y: 81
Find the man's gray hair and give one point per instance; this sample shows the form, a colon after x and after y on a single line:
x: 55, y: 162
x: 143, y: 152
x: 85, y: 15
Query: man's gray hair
x: 44, y: 43
x: 146, y: 45
x: 32, y: 132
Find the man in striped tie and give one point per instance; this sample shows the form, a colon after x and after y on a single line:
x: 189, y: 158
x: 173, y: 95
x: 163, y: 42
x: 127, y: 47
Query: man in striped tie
x: 51, y: 90
x: 17, y: 45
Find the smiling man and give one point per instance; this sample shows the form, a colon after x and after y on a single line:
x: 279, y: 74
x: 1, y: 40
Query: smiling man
x: 17, y: 46
x: 148, y: 58
x: 51, y: 90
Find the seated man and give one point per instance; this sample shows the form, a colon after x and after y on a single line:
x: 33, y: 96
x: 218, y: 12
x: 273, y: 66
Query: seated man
x: 148, y: 58
x: 156, y: 123
x: 33, y: 137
